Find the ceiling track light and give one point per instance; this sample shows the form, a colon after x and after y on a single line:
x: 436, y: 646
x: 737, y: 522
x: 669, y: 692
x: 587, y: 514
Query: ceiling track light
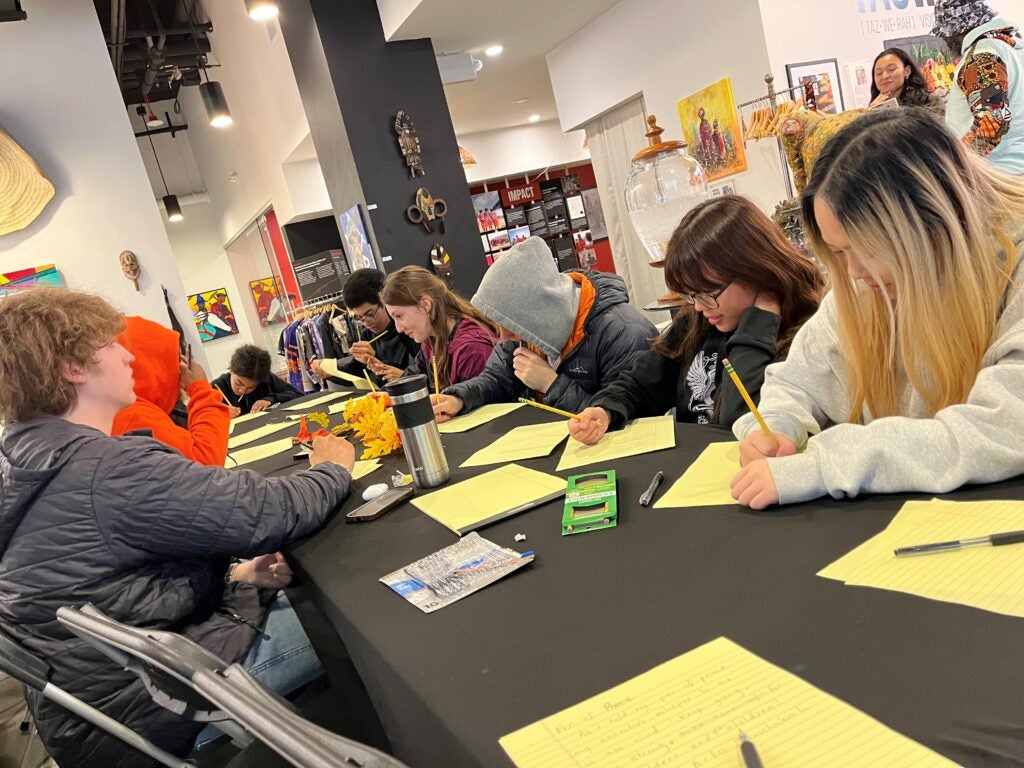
x: 173, y: 208
x: 261, y: 10
x: 210, y: 92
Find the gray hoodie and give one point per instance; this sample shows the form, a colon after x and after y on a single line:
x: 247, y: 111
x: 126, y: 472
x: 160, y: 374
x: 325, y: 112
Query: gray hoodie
x: 805, y: 399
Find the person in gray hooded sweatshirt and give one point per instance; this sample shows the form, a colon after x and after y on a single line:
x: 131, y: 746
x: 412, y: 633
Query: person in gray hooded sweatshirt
x: 563, y: 335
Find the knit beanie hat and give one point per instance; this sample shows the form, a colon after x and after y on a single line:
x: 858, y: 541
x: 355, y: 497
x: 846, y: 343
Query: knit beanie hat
x: 958, y: 17
x: 524, y: 292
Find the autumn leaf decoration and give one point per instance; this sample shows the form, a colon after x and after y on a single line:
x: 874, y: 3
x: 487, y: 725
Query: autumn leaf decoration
x: 372, y: 422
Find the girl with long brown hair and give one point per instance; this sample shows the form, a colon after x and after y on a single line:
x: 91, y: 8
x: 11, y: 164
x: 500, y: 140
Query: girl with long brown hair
x: 749, y: 290
x: 910, y: 376
x: 443, y: 323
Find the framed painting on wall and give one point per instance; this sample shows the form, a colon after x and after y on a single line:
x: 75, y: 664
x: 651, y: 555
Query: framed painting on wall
x: 266, y: 295
x: 933, y: 56
x: 712, y: 128
x: 212, y: 313
x: 824, y: 78
x: 21, y: 279
x: 355, y: 239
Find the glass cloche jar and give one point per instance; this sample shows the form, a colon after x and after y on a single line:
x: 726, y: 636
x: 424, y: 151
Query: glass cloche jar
x: 663, y: 185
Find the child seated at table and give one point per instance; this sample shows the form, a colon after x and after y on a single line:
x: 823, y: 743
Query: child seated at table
x: 161, y: 374
x: 562, y: 335
x: 910, y: 376
x: 449, y: 330
x: 249, y: 386
x: 749, y: 291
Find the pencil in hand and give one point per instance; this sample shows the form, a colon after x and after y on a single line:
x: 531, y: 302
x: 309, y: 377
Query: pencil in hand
x: 746, y: 396
x: 544, y: 407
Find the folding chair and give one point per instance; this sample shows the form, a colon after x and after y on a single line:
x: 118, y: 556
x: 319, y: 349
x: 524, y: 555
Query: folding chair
x: 185, y: 678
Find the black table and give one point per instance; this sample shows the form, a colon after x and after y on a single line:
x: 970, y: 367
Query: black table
x: 598, y: 608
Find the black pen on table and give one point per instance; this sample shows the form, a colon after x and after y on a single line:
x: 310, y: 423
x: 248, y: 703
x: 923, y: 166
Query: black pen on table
x: 648, y: 495
x: 992, y: 540
x: 749, y: 753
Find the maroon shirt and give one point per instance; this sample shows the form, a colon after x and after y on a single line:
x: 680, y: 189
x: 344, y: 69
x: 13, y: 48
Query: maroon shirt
x: 468, y: 350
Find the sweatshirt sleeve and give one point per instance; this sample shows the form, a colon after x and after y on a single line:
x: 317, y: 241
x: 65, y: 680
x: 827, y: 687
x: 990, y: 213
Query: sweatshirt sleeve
x: 158, y: 503
x: 648, y: 388
x: 470, y: 358
x: 750, y: 349
x: 206, y: 439
x: 495, y: 384
x: 985, y: 83
x: 978, y: 441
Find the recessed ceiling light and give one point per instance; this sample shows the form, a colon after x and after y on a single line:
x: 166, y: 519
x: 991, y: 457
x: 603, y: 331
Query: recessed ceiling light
x: 261, y: 10
x: 494, y: 50
x: 523, y: 100
x: 533, y: 118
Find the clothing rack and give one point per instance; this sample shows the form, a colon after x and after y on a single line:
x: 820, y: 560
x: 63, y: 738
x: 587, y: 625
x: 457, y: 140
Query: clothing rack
x: 330, y: 298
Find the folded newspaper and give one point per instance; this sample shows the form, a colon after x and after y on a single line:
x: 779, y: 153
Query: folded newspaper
x: 451, y: 573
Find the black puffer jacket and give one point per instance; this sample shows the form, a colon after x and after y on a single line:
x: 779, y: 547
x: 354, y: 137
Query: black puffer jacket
x: 614, y: 333
x: 143, y: 534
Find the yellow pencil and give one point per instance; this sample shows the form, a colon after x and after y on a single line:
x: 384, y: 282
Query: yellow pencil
x: 543, y: 407
x: 746, y: 396
x: 224, y: 397
x: 378, y: 336
x: 437, y: 381
x: 369, y: 380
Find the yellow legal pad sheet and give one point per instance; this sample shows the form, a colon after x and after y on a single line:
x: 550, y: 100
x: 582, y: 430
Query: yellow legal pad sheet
x: 706, y: 482
x: 243, y: 419
x: 639, y: 436
x: 990, y: 578
x: 257, y: 452
x: 310, y: 404
x: 689, y: 711
x: 521, y: 443
x: 481, y: 415
x: 489, y: 497
x: 330, y: 367
x: 363, y: 468
x: 256, y: 434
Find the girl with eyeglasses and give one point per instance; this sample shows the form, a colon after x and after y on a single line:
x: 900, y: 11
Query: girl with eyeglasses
x: 749, y: 290
x: 446, y: 326
x: 911, y: 375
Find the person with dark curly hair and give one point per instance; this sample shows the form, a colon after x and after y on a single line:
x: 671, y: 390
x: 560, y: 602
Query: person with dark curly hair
x: 249, y: 386
x: 895, y: 75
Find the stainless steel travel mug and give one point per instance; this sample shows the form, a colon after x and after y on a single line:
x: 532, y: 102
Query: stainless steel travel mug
x: 420, y: 438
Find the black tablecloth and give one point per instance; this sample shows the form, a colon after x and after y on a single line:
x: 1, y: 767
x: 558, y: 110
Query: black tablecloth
x: 598, y: 608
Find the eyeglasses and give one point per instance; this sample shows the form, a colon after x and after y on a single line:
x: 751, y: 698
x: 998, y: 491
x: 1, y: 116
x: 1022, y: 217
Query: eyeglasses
x: 367, y: 317
x: 707, y: 298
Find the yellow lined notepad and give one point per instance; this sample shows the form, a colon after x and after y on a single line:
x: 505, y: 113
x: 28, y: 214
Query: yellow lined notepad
x: 363, y: 468
x: 256, y: 434
x: 689, y: 711
x: 473, y: 419
x: 257, y: 452
x: 639, y: 436
x: 330, y: 367
x: 243, y: 419
x: 489, y: 497
x: 706, y: 482
x: 311, y: 404
x: 990, y: 578
x: 527, y: 442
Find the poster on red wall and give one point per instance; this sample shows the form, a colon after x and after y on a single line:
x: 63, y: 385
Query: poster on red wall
x: 527, y: 193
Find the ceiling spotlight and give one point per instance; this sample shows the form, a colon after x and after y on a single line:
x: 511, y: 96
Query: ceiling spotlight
x: 261, y: 10
x: 173, y: 208
x: 534, y: 118
x: 494, y: 50
x: 216, y: 104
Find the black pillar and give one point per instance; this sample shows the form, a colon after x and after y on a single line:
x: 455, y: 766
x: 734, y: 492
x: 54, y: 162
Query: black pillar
x: 353, y: 83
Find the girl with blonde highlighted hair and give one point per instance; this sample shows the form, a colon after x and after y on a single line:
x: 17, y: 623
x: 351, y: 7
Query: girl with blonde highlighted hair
x: 910, y: 377
x: 448, y: 328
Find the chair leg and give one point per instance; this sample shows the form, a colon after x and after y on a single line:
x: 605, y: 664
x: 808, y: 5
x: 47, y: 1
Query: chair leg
x: 26, y: 721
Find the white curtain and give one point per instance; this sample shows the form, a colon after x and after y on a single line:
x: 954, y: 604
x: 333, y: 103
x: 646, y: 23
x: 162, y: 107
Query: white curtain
x: 614, y: 138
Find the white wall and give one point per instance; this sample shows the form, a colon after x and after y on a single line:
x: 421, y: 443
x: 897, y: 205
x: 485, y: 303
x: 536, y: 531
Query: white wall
x: 524, y: 149
x: 663, y: 51
x: 393, y: 14
x: 307, y: 188
x: 847, y: 34
x: 62, y: 104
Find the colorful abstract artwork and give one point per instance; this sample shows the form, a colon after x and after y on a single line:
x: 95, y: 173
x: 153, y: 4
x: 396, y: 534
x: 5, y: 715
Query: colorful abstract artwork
x: 213, y: 315
x: 712, y: 131
x: 266, y: 295
x: 21, y: 279
x: 357, y: 242
x: 932, y: 54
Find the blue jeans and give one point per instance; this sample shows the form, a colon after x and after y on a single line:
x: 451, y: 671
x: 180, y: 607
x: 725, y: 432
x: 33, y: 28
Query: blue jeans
x: 282, y: 658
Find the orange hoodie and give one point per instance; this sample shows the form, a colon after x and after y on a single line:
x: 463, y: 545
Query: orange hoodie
x: 157, y: 376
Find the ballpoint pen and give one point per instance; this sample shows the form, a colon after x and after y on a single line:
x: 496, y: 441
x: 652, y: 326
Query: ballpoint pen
x: 992, y: 540
x: 749, y: 752
x: 648, y: 495
x: 491, y: 566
